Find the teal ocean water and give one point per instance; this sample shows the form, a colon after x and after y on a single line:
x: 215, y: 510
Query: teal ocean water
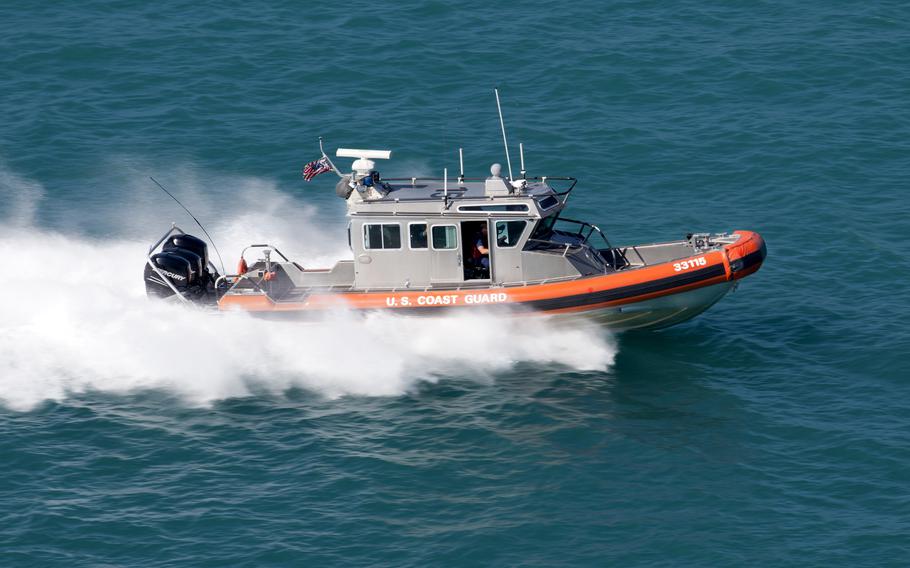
x: 772, y: 430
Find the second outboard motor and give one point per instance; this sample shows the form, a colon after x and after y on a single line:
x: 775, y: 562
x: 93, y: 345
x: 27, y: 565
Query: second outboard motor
x: 190, y: 243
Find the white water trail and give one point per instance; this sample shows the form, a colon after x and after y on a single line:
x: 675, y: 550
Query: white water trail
x: 19, y: 197
x: 75, y: 318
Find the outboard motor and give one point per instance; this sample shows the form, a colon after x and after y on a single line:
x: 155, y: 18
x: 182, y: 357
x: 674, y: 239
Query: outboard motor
x: 190, y: 243
x: 182, y: 263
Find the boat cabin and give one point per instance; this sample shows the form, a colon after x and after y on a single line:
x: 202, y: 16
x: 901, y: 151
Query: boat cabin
x: 433, y: 233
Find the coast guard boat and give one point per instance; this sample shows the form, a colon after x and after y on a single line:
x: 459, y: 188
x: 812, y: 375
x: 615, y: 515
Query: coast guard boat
x: 430, y: 246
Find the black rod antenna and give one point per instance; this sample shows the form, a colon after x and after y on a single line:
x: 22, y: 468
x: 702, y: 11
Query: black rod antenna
x: 223, y: 271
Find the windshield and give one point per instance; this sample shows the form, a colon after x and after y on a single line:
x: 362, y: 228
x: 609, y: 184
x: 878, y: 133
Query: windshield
x: 544, y: 228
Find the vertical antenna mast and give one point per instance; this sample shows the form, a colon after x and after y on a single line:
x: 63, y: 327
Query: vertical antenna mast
x: 521, y: 152
x: 502, y: 125
x: 461, y: 166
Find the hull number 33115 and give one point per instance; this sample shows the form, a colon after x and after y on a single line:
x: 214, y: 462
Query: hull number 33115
x: 687, y: 264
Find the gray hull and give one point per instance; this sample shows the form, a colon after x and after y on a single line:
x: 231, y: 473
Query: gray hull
x: 657, y: 312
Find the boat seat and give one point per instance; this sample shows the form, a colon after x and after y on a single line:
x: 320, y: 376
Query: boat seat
x: 473, y: 270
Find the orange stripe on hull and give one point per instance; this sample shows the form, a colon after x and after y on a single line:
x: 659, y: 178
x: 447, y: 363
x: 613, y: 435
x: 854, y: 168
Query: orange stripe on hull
x: 751, y: 249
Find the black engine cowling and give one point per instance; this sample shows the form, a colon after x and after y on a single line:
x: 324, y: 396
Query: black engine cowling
x: 198, y: 271
x: 182, y: 262
x: 190, y: 243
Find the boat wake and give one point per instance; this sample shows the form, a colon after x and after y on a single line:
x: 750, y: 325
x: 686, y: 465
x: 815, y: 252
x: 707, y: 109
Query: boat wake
x: 88, y: 325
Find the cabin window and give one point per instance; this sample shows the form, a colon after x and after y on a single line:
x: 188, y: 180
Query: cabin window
x: 418, y: 233
x: 508, y: 233
x: 382, y: 236
x: 548, y: 202
x: 517, y: 207
x: 444, y: 237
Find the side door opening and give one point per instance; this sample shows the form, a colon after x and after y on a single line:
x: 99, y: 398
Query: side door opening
x: 475, y: 239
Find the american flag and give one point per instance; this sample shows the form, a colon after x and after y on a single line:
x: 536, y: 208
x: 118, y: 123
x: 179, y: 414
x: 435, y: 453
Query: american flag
x: 316, y: 167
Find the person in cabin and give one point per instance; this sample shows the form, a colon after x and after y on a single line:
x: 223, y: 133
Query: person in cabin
x: 481, y: 253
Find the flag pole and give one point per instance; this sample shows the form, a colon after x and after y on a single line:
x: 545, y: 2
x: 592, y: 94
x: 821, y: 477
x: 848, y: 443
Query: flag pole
x: 329, y: 160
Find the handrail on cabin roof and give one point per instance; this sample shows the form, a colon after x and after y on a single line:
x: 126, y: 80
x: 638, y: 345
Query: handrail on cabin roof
x: 564, y: 193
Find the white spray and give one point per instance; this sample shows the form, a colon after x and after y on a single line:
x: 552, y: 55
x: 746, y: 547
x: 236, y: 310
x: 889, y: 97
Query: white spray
x: 75, y: 318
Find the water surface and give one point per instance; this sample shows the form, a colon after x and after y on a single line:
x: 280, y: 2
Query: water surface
x: 771, y: 430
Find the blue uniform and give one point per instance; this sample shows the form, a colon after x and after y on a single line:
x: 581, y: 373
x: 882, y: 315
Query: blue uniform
x: 480, y: 258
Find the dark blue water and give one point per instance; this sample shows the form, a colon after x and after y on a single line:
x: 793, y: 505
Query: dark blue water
x: 772, y: 430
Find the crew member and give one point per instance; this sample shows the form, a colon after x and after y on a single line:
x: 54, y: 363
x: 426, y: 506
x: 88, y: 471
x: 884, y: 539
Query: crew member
x: 481, y: 253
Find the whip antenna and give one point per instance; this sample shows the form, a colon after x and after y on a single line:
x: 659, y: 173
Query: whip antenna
x: 502, y: 125
x: 521, y: 152
x: 223, y: 271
